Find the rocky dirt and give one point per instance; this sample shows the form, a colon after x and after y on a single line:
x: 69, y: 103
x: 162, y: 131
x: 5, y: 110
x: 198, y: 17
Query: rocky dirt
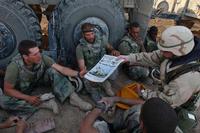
x: 69, y: 118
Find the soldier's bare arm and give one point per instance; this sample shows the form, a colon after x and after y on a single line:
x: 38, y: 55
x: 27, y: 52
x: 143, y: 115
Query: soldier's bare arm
x: 65, y: 70
x: 21, y: 126
x: 81, y: 64
x: 9, y: 122
x: 11, y: 91
x: 111, y: 50
x: 111, y: 100
x: 88, y: 121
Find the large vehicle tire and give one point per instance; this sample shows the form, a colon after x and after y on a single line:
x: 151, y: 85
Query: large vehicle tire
x: 17, y: 22
x: 108, y: 14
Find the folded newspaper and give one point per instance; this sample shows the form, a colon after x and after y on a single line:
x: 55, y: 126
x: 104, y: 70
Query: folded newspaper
x: 103, y: 69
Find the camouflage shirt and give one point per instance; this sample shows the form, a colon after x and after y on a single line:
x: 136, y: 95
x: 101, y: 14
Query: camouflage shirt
x: 22, y: 78
x: 129, y: 45
x: 177, y: 91
x: 91, y: 53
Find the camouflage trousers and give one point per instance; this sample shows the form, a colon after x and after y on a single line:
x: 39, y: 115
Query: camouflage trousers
x: 16, y: 106
x: 128, y: 119
x: 138, y: 72
x: 62, y: 88
x: 96, y: 90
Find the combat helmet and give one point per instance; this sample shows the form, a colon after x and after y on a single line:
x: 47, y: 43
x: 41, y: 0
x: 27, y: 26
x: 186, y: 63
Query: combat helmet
x: 177, y: 39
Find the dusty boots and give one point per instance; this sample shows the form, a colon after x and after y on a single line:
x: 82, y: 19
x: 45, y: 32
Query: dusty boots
x: 51, y: 105
x: 107, y: 88
x: 77, y: 101
x: 46, y: 96
x: 109, y: 92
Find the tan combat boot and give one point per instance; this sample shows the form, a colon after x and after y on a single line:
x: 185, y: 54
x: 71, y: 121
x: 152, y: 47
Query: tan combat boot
x: 51, y: 105
x: 108, y: 88
x: 77, y: 101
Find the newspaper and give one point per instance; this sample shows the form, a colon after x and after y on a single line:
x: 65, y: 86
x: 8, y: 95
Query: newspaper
x: 103, y: 69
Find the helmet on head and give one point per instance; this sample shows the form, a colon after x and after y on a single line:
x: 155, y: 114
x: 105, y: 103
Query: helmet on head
x: 177, y: 39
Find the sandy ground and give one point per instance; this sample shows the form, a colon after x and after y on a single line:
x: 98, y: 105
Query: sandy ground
x: 69, y: 118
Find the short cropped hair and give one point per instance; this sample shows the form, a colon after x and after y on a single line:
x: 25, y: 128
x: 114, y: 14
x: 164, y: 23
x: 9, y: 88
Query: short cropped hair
x: 153, y: 29
x: 25, y: 45
x: 158, y: 116
x: 87, y: 27
x: 134, y: 24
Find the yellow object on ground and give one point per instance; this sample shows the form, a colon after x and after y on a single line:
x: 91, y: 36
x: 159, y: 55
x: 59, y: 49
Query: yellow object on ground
x: 129, y: 91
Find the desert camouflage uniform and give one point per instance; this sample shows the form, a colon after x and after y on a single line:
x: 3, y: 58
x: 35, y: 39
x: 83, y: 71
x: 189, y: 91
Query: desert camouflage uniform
x: 177, y: 91
x: 92, y: 53
x: 26, y: 81
x: 127, y: 46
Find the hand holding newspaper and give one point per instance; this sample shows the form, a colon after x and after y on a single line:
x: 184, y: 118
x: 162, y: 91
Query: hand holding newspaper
x: 103, y: 69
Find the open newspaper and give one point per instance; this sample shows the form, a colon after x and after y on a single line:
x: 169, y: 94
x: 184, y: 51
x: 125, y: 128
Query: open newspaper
x: 103, y: 69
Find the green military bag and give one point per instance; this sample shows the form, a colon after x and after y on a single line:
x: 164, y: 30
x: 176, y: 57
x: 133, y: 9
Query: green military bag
x: 186, y: 120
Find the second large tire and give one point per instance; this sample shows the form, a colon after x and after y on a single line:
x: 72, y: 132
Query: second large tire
x: 74, y: 12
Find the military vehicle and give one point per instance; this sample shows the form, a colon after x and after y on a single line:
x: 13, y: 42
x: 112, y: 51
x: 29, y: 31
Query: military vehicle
x: 183, y: 8
x: 183, y: 12
x: 18, y: 21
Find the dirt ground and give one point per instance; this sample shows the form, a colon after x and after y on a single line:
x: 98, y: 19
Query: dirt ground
x: 69, y: 118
